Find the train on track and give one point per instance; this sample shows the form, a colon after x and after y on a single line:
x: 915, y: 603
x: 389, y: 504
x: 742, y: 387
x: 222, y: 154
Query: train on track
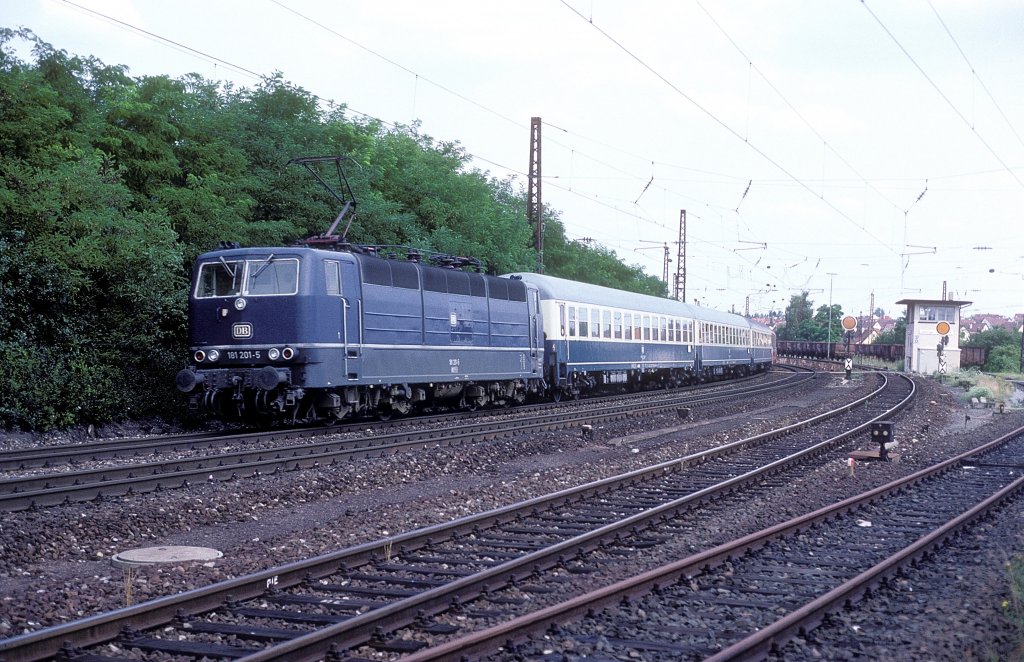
x: 969, y: 356
x: 325, y: 330
x: 303, y: 334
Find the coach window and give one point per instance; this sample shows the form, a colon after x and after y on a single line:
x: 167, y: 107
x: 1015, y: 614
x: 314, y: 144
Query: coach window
x: 664, y: 329
x: 618, y: 324
x: 561, y: 318
x: 595, y: 323
x: 606, y: 324
x: 584, y: 324
x: 332, y: 277
x: 572, y: 321
x: 638, y: 331
x: 627, y: 321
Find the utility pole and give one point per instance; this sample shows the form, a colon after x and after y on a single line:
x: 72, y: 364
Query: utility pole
x: 679, y: 291
x: 534, y: 206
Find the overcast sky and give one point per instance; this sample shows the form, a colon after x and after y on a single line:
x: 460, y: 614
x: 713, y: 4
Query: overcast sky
x: 841, y: 147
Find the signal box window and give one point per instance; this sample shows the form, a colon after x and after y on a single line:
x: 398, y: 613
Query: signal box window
x: 935, y: 314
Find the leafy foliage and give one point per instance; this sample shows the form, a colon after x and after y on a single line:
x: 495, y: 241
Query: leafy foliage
x: 897, y: 335
x: 1004, y: 349
x: 110, y: 186
x: 802, y: 323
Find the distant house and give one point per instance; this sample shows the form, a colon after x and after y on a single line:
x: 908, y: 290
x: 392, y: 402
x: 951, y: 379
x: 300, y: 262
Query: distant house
x: 871, y: 327
x: 981, y: 322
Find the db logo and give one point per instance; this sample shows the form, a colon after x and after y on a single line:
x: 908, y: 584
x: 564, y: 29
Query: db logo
x: 241, y: 330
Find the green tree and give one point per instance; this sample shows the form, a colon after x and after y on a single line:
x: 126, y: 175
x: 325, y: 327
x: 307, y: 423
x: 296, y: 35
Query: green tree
x: 827, y: 321
x: 110, y: 186
x: 83, y: 265
x: 799, y: 319
x: 896, y: 335
x: 1003, y: 349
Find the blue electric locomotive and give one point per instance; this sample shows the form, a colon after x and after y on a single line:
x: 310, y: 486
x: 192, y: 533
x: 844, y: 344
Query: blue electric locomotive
x: 303, y: 334
x: 597, y: 336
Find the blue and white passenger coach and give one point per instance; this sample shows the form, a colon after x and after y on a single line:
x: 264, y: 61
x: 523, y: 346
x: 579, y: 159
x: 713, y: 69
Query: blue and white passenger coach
x: 303, y: 334
x: 596, y: 336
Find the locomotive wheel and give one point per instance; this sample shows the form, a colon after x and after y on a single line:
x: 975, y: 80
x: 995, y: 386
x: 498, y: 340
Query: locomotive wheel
x: 556, y: 395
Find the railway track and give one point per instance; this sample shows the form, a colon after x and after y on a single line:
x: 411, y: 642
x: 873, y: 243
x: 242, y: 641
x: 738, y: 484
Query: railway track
x: 39, y: 489
x: 356, y: 597
x: 21, y: 459
x: 746, y: 598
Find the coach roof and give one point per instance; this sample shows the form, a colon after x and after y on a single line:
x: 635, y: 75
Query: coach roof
x: 596, y: 295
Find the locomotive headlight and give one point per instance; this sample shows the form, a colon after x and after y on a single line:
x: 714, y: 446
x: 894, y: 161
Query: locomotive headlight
x: 199, y: 356
x: 240, y: 303
x: 213, y: 355
x: 287, y: 353
x: 273, y: 353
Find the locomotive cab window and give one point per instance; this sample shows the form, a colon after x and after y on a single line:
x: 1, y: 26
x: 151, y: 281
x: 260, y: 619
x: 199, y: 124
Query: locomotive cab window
x: 220, y: 279
x: 266, y: 276
x: 271, y: 276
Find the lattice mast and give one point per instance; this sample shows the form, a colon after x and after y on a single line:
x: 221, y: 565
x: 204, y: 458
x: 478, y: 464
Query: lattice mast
x: 679, y: 291
x: 534, y: 206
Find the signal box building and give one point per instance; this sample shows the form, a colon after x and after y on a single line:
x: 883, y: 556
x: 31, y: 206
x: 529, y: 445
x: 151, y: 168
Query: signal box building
x: 933, y: 335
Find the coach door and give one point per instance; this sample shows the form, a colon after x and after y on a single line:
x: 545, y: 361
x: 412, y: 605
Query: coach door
x: 536, y: 339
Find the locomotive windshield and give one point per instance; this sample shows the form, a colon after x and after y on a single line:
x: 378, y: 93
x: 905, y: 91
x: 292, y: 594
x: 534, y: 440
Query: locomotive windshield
x: 266, y: 276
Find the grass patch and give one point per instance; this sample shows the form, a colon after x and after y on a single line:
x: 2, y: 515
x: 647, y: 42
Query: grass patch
x: 1013, y: 607
x: 977, y: 384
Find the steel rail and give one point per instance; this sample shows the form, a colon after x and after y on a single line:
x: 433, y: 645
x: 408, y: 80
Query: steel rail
x: 104, y: 627
x: 61, y: 454
x: 58, y: 488
x: 758, y: 644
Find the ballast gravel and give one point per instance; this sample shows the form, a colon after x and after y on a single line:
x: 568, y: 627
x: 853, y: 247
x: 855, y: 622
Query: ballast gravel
x: 54, y: 562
